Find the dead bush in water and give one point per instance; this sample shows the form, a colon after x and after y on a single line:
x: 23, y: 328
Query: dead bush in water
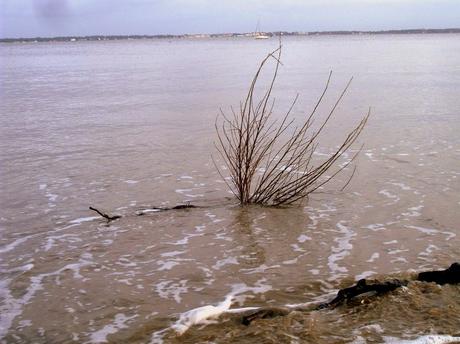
x: 265, y: 166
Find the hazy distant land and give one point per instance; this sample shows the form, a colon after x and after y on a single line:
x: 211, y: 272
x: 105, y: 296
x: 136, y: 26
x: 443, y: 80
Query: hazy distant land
x: 224, y: 35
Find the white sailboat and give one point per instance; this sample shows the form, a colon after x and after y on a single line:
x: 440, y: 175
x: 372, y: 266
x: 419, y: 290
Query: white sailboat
x: 258, y: 34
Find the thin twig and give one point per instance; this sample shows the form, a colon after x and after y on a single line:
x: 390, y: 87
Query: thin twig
x: 107, y: 217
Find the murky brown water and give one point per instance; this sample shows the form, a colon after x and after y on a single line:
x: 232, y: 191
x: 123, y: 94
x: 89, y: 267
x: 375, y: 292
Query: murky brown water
x: 124, y: 125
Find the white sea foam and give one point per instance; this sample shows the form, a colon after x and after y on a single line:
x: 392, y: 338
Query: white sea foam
x: 242, y: 288
x: 365, y: 274
x: 184, y: 241
x: 118, y: 324
x: 297, y: 248
x: 413, y: 211
x: 388, y: 194
x: 375, y: 227
x: 183, y: 191
x: 260, y: 269
x: 427, y: 254
x: 342, y: 250
x: 12, y: 307
x: 432, y: 231
x: 370, y: 155
x: 157, y: 337
x: 290, y: 261
x: 200, y: 228
x: 124, y: 261
x: 166, y: 265
x: 226, y: 261
x: 24, y: 323
x: 50, y: 241
x: 23, y: 268
x: 83, y: 219
x: 11, y: 246
x: 401, y: 185
x: 396, y: 251
x: 429, y: 250
x: 172, y: 253
x: 168, y: 289
x: 430, y: 339
x: 399, y: 260
x: 374, y: 257
x: 302, y: 238
x: 51, y: 199
x: 390, y: 242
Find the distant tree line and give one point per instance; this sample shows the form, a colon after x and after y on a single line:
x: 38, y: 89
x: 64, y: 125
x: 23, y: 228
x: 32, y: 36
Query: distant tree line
x: 221, y: 35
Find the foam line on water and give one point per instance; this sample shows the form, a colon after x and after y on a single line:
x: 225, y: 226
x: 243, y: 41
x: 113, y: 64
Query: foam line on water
x: 429, y: 339
x: 12, y: 307
x: 84, y: 219
x: 343, y: 249
x: 119, y: 323
x: 432, y: 231
x: 73, y: 223
x: 17, y: 242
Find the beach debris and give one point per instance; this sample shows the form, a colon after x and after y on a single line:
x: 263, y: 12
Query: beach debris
x: 157, y: 209
x: 450, y: 275
x: 104, y: 215
x: 145, y: 210
x: 265, y: 313
x: 201, y: 315
x: 363, y: 287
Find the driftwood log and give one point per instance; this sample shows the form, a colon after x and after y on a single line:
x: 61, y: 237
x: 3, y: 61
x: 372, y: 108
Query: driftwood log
x: 448, y: 276
x: 265, y: 313
x: 143, y: 211
x: 155, y: 209
x: 363, y: 286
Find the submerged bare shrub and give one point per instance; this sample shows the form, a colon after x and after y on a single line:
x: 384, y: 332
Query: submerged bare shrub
x: 267, y: 165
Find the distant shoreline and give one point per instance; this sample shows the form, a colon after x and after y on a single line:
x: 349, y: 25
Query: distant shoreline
x: 222, y: 35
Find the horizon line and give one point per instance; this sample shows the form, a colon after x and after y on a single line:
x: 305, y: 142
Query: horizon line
x: 229, y: 34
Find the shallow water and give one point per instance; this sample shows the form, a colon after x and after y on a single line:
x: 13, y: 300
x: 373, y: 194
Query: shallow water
x: 128, y: 125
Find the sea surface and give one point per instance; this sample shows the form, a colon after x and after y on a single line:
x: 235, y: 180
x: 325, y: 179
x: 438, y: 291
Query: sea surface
x: 125, y: 126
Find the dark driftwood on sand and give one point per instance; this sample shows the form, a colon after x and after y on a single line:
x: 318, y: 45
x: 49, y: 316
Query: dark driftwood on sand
x: 363, y: 286
x: 181, y: 206
x: 177, y: 207
x: 448, y: 276
x: 264, y: 313
x: 107, y: 217
x: 143, y: 211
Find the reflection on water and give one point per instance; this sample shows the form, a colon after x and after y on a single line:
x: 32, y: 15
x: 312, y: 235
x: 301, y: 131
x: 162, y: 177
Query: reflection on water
x: 129, y: 125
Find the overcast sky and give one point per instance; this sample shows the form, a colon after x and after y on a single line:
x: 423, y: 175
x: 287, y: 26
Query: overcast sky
x: 31, y: 18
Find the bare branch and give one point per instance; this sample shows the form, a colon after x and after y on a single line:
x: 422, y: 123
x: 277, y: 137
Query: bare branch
x: 266, y: 166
